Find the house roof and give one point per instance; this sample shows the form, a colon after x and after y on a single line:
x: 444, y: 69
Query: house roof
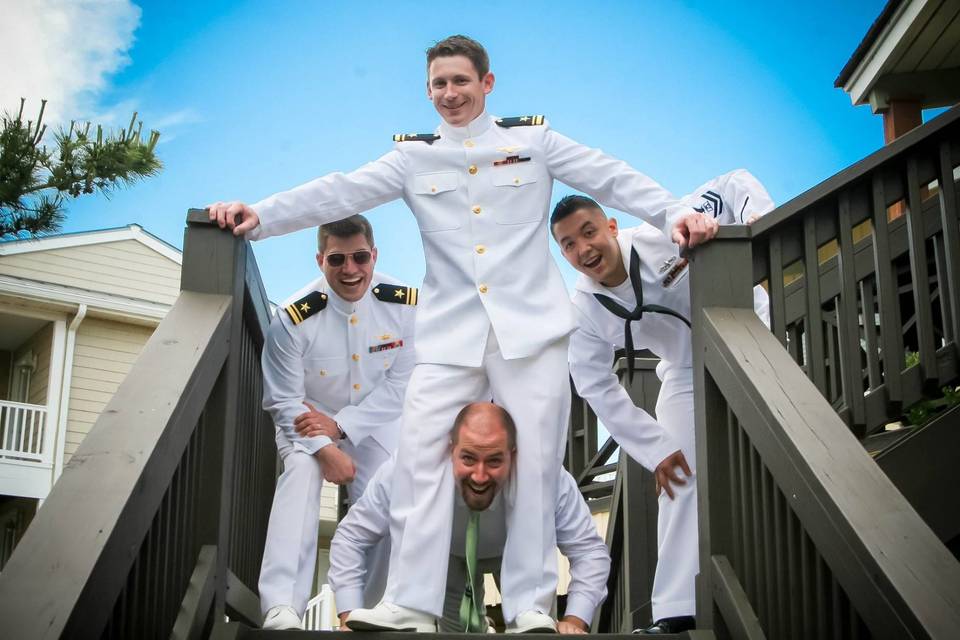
x: 872, y: 34
x: 910, y: 53
x: 99, y: 236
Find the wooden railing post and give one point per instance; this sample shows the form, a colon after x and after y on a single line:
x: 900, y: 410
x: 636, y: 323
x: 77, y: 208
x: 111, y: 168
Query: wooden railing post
x: 214, y: 261
x: 721, y: 274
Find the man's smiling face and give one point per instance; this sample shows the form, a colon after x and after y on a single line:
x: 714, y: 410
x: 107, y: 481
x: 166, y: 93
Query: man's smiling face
x: 482, y: 458
x: 352, y: 279
x: 588, y: 241
x: 457, y: 91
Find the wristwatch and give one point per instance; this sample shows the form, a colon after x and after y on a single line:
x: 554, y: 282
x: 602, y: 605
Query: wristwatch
x: 343, y: 435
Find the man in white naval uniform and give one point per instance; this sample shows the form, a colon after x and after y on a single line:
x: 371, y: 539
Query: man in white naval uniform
x: 629, y: 268
x: 475, y: 465
x: 494, y: 312
x: 336, y: 361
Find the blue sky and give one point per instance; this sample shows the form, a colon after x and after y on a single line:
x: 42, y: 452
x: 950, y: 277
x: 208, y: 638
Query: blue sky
x: 256, y: 97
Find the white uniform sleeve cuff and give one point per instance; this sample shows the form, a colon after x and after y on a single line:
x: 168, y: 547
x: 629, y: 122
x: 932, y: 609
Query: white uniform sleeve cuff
x: 577, y: 605
x: 311, y: 445
x: 348, y: 599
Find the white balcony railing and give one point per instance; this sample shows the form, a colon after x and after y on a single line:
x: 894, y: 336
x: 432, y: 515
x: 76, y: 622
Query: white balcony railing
x: 321, y: 614
x: 22, y: 432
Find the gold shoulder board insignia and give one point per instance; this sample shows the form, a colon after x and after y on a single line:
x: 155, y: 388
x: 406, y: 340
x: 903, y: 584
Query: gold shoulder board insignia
x: 306, y: 306
x: 520, y: 121
x: 394, y: 293
x: 429, y: 138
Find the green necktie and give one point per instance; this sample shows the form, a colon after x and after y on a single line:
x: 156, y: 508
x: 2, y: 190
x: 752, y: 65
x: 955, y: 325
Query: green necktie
x: 472, y: 612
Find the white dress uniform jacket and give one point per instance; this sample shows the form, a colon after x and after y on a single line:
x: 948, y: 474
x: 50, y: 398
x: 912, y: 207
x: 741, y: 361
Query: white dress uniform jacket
x: 648, y: 441
x: 368, y: 522
x: 494, y: 313
x: 351, y: 361
x: 482, y: 219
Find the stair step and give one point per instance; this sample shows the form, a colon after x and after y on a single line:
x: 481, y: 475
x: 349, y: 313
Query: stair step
x: 294, y: 634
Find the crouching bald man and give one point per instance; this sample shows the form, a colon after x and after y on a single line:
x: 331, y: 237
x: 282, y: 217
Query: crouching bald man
x: 336, y: 361
x: 634, y: 294
x: 483, y: 447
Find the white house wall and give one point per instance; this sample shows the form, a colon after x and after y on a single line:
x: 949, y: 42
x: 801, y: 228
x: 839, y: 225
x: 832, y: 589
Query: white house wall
x: 104, y: 353
x: 126, y: 268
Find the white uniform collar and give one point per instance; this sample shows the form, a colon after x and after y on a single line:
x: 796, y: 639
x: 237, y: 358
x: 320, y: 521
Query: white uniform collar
x: 478, y: 126
x: 591, y: 286
x: 339, y: 304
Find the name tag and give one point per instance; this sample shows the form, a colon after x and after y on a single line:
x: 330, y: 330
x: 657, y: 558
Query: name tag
x: 386, y: 345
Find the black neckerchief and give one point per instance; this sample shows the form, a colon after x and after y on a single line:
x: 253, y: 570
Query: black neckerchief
x: 619, y: 311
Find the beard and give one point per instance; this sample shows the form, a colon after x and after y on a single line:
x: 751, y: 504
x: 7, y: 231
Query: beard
x: 478, y: 501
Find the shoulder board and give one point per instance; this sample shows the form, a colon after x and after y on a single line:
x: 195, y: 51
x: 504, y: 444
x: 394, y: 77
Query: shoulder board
x: 520, y: 121
x: 306, y: 306
x: 429, y: 138
x: 395, y: 293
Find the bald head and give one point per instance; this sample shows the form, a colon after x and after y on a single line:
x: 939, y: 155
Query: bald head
x: 483, y: 443
x: 485, y: 417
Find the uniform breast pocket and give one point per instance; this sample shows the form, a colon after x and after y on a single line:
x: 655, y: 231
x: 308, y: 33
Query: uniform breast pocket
x: 513, y: 182
x: 432, y: 195
x: 317, y: 369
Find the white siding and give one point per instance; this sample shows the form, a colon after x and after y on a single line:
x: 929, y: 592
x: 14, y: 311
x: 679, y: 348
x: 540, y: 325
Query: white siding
x: 105, y: 352
x: 126, y: 268
x: 40, y: 344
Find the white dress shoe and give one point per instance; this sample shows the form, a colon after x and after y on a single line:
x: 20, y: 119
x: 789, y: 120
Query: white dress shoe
x: 391, y: 617
x: 282, y: 617
x: 532, y: 622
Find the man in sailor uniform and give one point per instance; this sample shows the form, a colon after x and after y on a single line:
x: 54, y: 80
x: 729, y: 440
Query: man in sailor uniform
x: 336, y: 362
x: 494, y: 313
x: 634, y: 294
x: 484, y: 434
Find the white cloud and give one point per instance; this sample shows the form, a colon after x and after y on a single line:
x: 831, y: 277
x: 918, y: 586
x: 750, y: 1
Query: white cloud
x: 64, y: 51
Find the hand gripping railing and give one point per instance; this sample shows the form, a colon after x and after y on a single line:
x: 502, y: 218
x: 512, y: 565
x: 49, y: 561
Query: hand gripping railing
x: 156, y: 527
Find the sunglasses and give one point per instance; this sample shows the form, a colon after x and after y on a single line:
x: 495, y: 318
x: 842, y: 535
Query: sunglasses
x: 339, y: 259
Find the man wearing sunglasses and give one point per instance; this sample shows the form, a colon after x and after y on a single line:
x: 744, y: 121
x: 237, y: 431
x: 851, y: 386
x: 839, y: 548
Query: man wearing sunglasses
x: 495, y: 313
x: 336, y: 362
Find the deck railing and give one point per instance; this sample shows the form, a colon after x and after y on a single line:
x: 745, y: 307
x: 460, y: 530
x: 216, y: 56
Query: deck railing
x: 610, y: 480
x: 23, y: 432
x: 864, y: 273
x: 802, y: 534
x: 156, y: 526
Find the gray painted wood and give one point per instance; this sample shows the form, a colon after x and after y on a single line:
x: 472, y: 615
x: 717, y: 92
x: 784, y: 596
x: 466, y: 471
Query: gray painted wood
x: 197, y: 600
x: 950, y: 222
x: 899, y: 588
x: 739, y: 616
x: 920, y: 274
x: 116, y: 480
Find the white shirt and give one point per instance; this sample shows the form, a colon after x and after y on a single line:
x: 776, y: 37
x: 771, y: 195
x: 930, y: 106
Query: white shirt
x: 664, y: 280
x: 483, y: 225
x: 368, y: 521
x: 351, y: 361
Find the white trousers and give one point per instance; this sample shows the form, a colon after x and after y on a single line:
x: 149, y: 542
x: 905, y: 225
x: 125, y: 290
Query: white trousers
x: 536, y: 393
x: 290, y: 551
x: 678, y: 555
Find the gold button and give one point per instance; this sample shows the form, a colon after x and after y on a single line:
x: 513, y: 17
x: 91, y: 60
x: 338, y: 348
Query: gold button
x: 354, y: 320
x: 516, y: 181
x: 483, y: 288
x: 468, y: 143
x: 323, y: 372
x: 356, y: 357
x: 476, y: 209
x: 480, y: 248
x: 356, y: 387
x: 473, y: 169
x: 433, y: 188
